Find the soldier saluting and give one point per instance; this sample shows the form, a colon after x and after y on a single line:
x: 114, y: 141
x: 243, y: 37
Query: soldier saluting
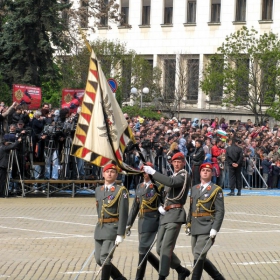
x: 173, y: 215
x: 204, y: 220
x: 146, y: 203
x: 112, y: 210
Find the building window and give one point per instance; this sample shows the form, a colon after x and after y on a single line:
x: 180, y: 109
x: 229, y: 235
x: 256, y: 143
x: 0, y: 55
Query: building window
x: 191, y: 12
x: 125, y: 11
x: 240, y: 10
x: 216, y: 11
x: 217, y: 69
x: 104, y: 11
x: 168, y: 11
x: 146, y: 11
x: 84, y: 14
x: 242, y: 80
x: 126, y: 76
x: 267, y: 9
x: 169, y: 78
x: 193, y: 79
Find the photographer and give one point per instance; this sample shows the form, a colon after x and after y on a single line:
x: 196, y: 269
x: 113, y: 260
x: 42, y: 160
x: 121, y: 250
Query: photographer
x: 52, y: 139
x: 5, y: 112
x: 5, y: 148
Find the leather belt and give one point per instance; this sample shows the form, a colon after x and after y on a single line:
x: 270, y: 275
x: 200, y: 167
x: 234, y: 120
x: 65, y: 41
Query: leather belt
x: 149, y: 210
x: 203, y: 214
x: 173, y: 206
x: 109, y: 220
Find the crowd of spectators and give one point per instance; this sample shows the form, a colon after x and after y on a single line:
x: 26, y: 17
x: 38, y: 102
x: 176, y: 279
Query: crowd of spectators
x: 206, y: 140
x: 200, y: 140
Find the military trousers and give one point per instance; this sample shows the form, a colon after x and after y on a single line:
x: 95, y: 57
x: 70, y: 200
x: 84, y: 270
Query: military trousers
x: 145, y: 241
x: 166, y: 240
x: 102, y: 250
x: 198, y: 242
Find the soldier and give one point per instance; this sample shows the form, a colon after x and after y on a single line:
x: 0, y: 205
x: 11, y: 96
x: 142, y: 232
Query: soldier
x: 173, y: 215
x: 112, y: 210
x: 146, y: 202
x: 204, y: 220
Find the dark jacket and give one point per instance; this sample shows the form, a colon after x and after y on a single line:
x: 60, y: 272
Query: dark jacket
x: 234, y: 154
x: 266, y: 166
x: 5, y: 152
x: 198, y: 156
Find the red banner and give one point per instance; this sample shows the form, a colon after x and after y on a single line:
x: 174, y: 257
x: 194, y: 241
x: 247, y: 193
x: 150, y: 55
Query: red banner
x: 72, y: 98
x: 28, y: 96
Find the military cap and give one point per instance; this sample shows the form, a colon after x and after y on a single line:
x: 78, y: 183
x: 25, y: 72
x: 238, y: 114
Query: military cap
x: 205, y: 165
x: 178, y: 156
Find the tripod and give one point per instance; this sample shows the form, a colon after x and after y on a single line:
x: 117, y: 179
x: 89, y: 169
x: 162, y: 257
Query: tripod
x: 66, y: 157
x: 51, y: 159
x: 12, y: 156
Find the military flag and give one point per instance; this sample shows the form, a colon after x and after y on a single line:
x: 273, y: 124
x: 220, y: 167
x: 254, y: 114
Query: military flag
x: 102, y: 132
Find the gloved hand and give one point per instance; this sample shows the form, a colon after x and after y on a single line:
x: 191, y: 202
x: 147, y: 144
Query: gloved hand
x: 119, y: 240
x: 149, y: 170
x: 161, y: 210
x: 213, y: 233
x: 127, y: 230
x: 187, y: 230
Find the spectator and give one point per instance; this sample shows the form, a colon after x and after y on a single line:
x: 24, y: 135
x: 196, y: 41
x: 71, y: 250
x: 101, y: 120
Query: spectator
x: 197, y: 159
x: 265, y: 165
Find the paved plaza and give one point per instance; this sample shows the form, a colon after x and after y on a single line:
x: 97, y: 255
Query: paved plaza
x: 51, y: 238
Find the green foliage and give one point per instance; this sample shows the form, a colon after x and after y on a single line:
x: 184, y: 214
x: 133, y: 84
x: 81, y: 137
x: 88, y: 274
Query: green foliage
x: 149, y: 113
x: 250, y: 72
x: 5, y: 92
x: 117, y: 62
x: 32, y: 33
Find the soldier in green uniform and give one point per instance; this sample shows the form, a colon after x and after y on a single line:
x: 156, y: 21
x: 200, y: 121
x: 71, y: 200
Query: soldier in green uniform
x: 145, y: 204
x: 204, y: 220
x: 173, y: 215
x: 112, y: 210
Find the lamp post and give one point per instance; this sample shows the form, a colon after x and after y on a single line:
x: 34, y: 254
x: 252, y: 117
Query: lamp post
x: 146, y: 91
x: 133, y: 92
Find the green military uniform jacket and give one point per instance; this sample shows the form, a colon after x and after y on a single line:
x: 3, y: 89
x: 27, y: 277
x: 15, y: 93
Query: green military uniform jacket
x: 146, y: 203
x: 176, y: 188
x: 206, y: 209
x: 112, y: 204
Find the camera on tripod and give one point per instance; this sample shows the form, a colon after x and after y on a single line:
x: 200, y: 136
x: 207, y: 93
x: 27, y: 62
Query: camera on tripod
x: 52, y: 130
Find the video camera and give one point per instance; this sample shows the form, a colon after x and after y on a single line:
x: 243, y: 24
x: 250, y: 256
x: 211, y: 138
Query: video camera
x: 52, y: 130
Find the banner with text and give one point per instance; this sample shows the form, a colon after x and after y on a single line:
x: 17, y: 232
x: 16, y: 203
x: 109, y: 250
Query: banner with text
x: 28, y: 96
x: 72, y: 98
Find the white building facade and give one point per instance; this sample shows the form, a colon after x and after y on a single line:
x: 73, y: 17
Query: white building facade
x: 194, y: 28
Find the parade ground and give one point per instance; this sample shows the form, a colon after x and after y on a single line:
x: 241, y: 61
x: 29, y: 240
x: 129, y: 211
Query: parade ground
x: 52, y: 238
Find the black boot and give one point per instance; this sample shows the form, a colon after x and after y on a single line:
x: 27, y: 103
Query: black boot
x: 115, y: 273
x: 231, y: 193
x: 197, y: 272
x: 239, y: 193
x: 161, y: 277
x: 141, y: 270
x: 153, y: 260
x: 210, y: 268
x: 183, y: 273
x: 106, y: 272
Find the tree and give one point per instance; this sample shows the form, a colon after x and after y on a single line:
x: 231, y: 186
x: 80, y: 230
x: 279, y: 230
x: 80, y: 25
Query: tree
x: 244, y: 72
x: 32, y: 33
x: 125, y: 66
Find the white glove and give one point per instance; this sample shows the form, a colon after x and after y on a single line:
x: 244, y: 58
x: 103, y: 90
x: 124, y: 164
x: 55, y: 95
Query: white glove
x: 187, y: 230
x: 119, y: 240
x: 127, y: 230
x: 161, y: 210
x: 213, y: 233
x: 149, y: 170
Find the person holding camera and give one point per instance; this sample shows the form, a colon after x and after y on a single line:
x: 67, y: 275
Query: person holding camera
x: 5, y: 148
